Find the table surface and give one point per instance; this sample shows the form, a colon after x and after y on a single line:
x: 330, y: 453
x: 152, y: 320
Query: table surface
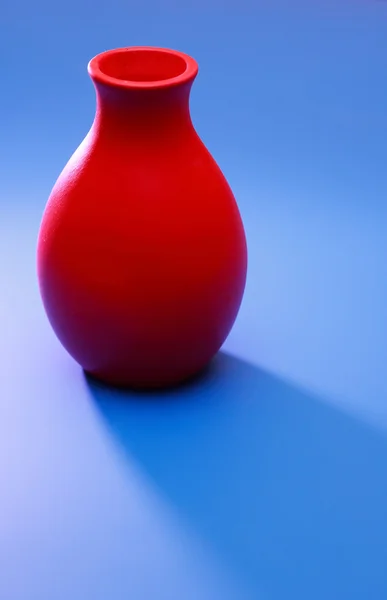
x: 267, y: 477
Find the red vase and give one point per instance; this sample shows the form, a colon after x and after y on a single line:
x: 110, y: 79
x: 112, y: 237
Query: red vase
x: 141, y: 252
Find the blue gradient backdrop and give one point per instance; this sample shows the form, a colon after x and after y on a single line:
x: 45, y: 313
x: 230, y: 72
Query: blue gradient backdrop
x: 266, y: 479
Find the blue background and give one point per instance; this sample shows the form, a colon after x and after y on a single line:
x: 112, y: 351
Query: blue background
x: 266, y: 478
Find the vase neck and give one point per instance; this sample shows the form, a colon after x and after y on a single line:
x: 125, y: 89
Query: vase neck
x: 139, y: 110
x: 142, y: 88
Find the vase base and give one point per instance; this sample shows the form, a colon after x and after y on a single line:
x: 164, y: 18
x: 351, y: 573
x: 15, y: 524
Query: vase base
x: 148, y: 386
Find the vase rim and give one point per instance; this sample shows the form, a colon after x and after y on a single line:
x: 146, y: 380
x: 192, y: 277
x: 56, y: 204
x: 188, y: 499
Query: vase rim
x: 97, y: 72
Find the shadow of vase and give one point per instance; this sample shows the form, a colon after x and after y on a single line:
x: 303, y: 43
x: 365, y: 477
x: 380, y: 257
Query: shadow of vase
x: 288, y: 491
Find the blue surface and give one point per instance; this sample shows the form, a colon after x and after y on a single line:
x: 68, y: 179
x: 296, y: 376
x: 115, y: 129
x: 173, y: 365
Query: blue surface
x: 265, y: 479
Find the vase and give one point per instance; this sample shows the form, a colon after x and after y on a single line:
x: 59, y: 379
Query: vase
x: 142, y: 253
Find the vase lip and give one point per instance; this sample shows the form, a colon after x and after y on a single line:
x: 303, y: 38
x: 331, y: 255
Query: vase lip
x: 98, y: 75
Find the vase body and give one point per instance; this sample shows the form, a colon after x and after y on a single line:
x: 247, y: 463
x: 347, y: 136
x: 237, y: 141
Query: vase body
x: 141, y: 252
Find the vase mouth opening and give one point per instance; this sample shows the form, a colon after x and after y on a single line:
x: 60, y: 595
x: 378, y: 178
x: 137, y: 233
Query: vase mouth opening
x: 142, y: 67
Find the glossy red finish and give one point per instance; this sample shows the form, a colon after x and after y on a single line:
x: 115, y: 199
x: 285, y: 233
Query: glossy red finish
x: 142, y: 253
